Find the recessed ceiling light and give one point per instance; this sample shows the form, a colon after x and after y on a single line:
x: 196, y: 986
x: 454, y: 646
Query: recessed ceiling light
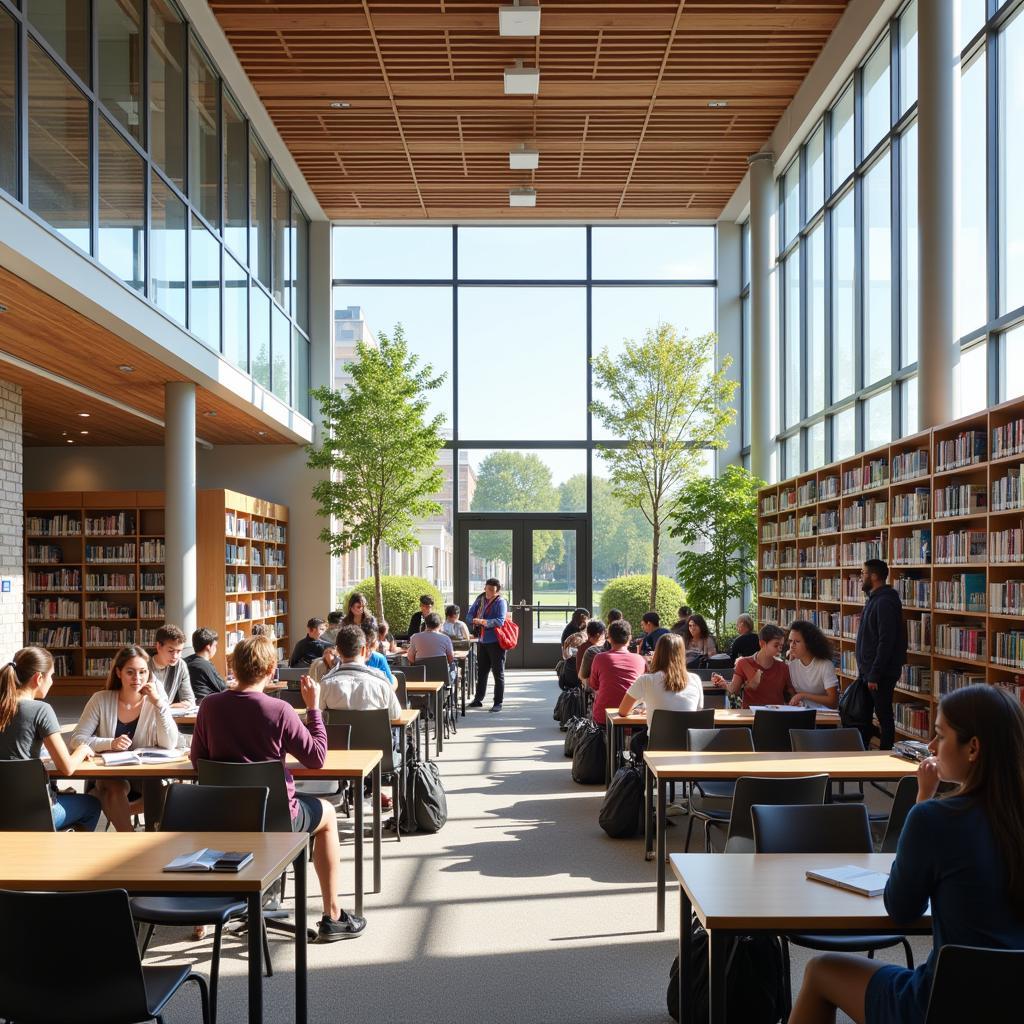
x: 519, y: 20
x: 717, y: 103
x: 523, y: 159
x: 70, y: 441
x: 210, y: 412
x: 126, y: 368
x: 522, y: 197
x: 84, y: 415
x: 520, y: 81
x: 83, y: 432
x: 261, y: 433
x: 340, y: 105
x: 3, y: 308
x: 63, y: 433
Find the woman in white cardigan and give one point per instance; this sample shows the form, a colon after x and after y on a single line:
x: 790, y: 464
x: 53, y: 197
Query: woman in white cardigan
x: 131, y: 712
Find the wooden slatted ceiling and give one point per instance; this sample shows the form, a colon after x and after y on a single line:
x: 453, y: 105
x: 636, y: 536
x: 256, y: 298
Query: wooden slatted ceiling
x: 622, y: 120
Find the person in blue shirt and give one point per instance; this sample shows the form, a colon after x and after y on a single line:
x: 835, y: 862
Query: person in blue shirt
x: 375, y: 659
x: 486, y: 613
x: 650, y: 623
x: 964, y: 853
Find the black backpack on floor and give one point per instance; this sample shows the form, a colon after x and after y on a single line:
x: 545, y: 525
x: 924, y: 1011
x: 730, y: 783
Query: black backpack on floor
x: 622, y: 813
x: 572, y: 734
x: 425, y: 808
x: 557, y: 714
x: 753, y: 979
x: 568, y: 678
x: 590, y: 755
x: 573, y: 706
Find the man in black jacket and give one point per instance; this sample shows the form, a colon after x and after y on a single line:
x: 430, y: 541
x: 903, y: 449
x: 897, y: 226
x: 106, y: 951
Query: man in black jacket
x: 881, y: 647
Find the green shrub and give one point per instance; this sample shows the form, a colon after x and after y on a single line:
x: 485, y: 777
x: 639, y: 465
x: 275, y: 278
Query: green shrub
x: 401, y: 598
x: 631, y: 595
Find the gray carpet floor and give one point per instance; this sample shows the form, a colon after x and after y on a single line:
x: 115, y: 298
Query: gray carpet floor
x: 520, y: 911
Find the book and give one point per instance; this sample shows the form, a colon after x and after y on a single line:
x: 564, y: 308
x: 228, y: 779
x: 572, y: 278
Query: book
x: 209, y: 860
x: 852, y: 878
x: 143, y: 755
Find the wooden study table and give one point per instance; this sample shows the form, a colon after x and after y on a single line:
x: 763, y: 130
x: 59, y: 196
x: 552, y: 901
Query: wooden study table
x: 724, y: 717
x: 740, y: 893
x: 82, y: 861
x: 339, y: 764
x: 704, y: 766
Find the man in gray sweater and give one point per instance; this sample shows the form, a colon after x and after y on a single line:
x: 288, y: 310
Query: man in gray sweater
x: 168, y: 668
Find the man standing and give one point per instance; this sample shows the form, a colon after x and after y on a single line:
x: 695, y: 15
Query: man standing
x: 486, y: 614
x: 881, y: 647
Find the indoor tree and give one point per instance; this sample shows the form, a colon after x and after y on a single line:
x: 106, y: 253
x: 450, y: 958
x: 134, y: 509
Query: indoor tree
x: 380, y: 452
x: 664, y: 400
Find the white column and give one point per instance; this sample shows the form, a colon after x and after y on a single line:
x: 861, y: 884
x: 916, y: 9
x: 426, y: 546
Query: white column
x: 762, y: 201
x: 937, y: 68
x: 730, y: 330
x: 180, y: 504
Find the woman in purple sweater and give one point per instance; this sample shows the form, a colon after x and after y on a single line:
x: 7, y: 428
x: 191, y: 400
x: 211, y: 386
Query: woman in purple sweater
x: 246, y: 725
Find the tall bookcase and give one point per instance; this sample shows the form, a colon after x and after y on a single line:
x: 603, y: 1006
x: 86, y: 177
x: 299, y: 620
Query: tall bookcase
x: 945, y: 509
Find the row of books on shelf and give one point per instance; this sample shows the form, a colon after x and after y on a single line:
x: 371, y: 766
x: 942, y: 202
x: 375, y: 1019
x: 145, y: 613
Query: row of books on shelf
x: 115, y: 524
x: 807, y: 526
x: 787, y: 499
x: 862, y: 550
x: 917, y: 678
x: 960, y: 500
x: 62, y: 579
x: 97, y: 636
x: 45, y: 554
x: 243, y: 611
x: 914, y: 549
x: 256, y: 583
x: 56, y: 636
x: 53, y: 608
x: 964, y: 592
x: 1008, y: 439
x: 862, y: 478
x: 60, y: 525
x: 1006, y: 597
x: 919, y: 634
x: 912, y: 506
x: 1006, y: 492
x: 913, y: 592
x: 864, y: 514
x: 232, y: 636
x: 1008, y: 648
x: 850, y: 625
x: 828, y: 622
x: 254, y: 529
x: 955, y: 640
x: 966, y: 449
x: 961, y: 546
x: 124, y: 581
x: 848, y: 662
x: 909, y: 465
x: 948, y: 680
x: 913, y: 717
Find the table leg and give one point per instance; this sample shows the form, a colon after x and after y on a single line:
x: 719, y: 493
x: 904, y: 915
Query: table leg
x: 419, y: 735
x: 255, y: 912
x: 301, y: 976
x: 438, y: 724
x: 463, y: 668
x: 648, y: 838
x: 610, y: 744
x: 717, y: 960
x: 426, y: 733
x: 685, y: 991
x: 359, y: 847
x: 377, y: 834
x: 661, y: 830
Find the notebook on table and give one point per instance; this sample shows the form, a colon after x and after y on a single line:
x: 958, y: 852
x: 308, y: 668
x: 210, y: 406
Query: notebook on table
x: 852, y: 878
x: 209, y: 860
x: 143, y: 755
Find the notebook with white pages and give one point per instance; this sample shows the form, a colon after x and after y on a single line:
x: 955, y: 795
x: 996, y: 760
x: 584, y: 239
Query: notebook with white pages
x: 143, y: 755
x: 852, y: 878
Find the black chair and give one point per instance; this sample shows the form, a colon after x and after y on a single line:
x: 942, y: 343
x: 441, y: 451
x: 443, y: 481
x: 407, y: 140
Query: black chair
x: 809, y: 789
x: 831, y: 828
x: 668, y: 730
x: 712, y: 801
x: 902, y: 802
x: 974, y: 984
x: 204, y: 809
x: 292, y: 697
x: 400, y: 687
x: 439, y: 671
x: 339, y: 737
x: 823, y: 741
x: 771, y: 728
x: 24, y: 797
x: 101, y: 979
x: 292, y: 675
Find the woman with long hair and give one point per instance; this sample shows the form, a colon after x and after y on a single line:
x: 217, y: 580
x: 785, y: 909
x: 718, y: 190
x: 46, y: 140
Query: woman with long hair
x: 668, y: 685
x: 27, y: 724
x: 577, y: 624
x: 700, y: 641
x: 963, y: 853
x: 812, y: 672
x: 358, y: 609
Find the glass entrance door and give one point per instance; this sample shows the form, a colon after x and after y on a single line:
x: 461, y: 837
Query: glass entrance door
x: 543, y: 565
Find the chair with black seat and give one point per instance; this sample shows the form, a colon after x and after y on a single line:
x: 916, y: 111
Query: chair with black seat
x: 668, y: 730
x: 24, y: 797
x: 204, y: 809
x: 401, y: 692
x: 807, y: 789
x: 438, y: 670
x: 771, y: 728
x: 712, y: 801
x: 339, y: 738
x: 971, y: 983
x: 902, y: 802
x: 292, y: 675
x: 292, y: 697
x: 81, y: 981
x: 830, y: 828
x: 823, y: 741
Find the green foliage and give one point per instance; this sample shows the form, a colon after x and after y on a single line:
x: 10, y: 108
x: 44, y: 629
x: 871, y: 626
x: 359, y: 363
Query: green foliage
x: 379, y: 452
x: 401, y: 598
x: 719, y: 516
x: 667, y: 401
x: 631, y: 595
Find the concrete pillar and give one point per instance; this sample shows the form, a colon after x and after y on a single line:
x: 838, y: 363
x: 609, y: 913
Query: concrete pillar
x: 730, y: 330
x: 937, y: 68
x: 180, y: 504
x: 762, y: 202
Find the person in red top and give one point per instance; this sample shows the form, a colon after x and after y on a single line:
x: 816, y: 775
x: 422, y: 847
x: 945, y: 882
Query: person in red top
x: 763, y: 678
x: 613, y: 672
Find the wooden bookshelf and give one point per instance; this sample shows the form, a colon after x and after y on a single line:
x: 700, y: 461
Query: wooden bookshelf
x: 945, y: 509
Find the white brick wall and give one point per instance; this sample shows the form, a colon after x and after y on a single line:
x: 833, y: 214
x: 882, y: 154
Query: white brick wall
x: 12, y: 520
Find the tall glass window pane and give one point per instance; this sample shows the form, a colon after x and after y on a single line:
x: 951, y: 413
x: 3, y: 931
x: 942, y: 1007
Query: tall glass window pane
x: 392, y: 253
x: 300, y: 268
x: 64, y: 24
x: 878, y: 420
x: 909, y: 407
x: 875, y: 90
x: 844, y: 434
x: 816, y: 445
x: 203, y: 141
x: 492, y: 320
x: 814, y: 157
x: 970, y: 248
x: 523, y: 253
x: 280, y: 355
x: 1011, y: 363
x: 791, y: 333
x: 259, y: 335
x: 119, y: 27
x: 970, y: 379
x: 522, y: 480
x: 259, y: 212
x: 842, y: 138
x: 236, y: 314
x: 791, y: 203
x: 167, y: 251
x: 745, y: 231
x: 791, y: 455
x: 877, y: 272
x: 236, y: 170
x: 653, y: 253
x: 122, y: 227
x: 910, y: 293
x: 908, y: 57
x: 58, y: 149
x: 1011, y: 164
x: 205, y: 270
x: 972, y: 17
x: 745, y: 385
x: 8, y: 104
x: 816, y: 323
x: 300, y: 370
x: 281, y: 219
x: 167, y: 36
x: 844, y: 246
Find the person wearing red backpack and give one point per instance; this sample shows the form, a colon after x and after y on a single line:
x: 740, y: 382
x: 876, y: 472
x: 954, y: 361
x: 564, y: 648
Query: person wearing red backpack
x: 486, y: 614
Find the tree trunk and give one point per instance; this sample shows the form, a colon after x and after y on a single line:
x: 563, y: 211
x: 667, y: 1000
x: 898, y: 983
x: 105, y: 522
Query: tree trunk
x: 654, y: 565
x: 378, y: 589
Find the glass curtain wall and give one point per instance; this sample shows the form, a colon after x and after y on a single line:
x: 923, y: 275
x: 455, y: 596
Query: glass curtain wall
x: 133, y: 150
x: 511, y: 316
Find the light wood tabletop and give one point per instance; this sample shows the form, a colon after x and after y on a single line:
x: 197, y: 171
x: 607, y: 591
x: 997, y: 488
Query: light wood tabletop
x: 408, y: 716
x: 840, y: 764
x: 723, y: 717
x: 430, y: 686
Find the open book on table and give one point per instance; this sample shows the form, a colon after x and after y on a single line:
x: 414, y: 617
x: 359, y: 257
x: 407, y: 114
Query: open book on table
x: 852, y: 878
x: 209, y: 860
x: 142, y: 755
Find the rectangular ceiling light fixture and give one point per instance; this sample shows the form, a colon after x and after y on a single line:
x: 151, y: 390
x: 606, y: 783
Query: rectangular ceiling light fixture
x: 522, y: 197
x: 523, y: 159
x: 519, y: 20
x: 520, y: 81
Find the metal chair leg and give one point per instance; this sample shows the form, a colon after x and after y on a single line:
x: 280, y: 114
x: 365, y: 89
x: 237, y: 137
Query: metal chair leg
x: 909, y: 953
x: 146, y: 938
x: 215, y: 971
x: 266, y: 949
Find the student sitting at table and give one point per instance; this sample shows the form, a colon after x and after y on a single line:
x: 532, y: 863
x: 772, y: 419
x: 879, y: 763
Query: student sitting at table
x: 416, y: 622
x: 132, y: 711
x: 811, y: 670
x: 745, y: 644
x: 699, y: 643
x: 358, y: 609
x: 586, y: 653
x: 374, y: 657
x: 334, y: 622
x: 167, y: 668
x: 27, y: 724
x: 385, y: 641
x: 453, y: 625
x: 432, y: 643
x: 245, y: 724
x: 353, y: 685
x: 323, y: 664
x: 205, y: 679
x: 668, y: 685
x: 650, y: 623
x: 964, y: 854
x: 763, y: 678
x: 311, y: 646
x: 614, y: 672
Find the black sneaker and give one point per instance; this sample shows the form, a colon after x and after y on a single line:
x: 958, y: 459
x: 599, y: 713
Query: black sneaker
x: 348, y: 926
x: 495, y: 707
x: 475, y: 704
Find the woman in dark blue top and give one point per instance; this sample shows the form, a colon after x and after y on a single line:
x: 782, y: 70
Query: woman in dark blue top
x: 965, y: 854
